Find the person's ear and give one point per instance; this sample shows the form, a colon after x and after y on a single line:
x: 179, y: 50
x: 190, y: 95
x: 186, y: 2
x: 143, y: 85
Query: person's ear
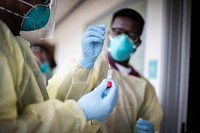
x: 138, y: 42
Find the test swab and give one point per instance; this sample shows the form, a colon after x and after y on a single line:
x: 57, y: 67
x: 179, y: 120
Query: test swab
x: 109, y: 76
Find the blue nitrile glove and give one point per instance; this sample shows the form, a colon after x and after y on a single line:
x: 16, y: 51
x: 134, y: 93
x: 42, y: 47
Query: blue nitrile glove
x: 144, y: 126
x: 95, y: 106
x: 92, y: 44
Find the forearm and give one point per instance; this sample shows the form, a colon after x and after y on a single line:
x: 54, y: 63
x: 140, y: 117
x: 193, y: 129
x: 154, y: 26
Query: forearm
x: 46, y: 117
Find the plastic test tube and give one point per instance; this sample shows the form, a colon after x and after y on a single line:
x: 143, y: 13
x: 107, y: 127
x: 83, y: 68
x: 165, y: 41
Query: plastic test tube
x: 109, y: 76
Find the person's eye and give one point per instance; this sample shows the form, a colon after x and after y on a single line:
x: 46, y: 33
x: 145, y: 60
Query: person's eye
x: 118, y: 32
x: 133, y: 36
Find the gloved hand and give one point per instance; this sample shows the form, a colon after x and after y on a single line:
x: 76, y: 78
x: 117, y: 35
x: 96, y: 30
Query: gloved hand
x: 95, y: 106
x: 92, y: 44
x: 144, y: 126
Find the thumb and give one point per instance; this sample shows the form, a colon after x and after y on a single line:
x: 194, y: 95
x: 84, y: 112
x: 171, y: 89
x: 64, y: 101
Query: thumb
x: 113, y: 91
x: 102, y: 87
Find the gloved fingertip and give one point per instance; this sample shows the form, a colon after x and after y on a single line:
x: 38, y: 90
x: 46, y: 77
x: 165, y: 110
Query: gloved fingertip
x: 102, y: 26
x: 140, y: 119
x: 102, y: 87
x: 105, y: 81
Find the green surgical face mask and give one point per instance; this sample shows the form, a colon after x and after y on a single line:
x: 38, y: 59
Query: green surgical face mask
x: 45, y: 67
x: 36, y: 18
x: 121, y: 47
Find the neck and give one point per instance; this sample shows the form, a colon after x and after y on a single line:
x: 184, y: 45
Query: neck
x: 124, y: 63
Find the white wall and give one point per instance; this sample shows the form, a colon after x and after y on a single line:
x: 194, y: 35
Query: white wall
x: 154, y: 42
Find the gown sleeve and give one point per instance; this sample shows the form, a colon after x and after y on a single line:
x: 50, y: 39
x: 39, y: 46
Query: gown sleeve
x: 151, y: 109
x: 74, y: 82
x: 24, y: 105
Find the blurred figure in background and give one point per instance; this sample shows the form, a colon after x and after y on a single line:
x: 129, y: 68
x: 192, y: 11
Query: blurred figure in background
x: 44, y: 55
x: 138, y: 109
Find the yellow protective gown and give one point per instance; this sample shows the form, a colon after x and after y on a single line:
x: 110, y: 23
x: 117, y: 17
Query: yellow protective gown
x: 24, y: 103
x: 137, y: 99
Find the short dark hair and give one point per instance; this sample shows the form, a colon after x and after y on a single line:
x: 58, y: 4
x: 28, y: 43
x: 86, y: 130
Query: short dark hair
x: 130, y: 13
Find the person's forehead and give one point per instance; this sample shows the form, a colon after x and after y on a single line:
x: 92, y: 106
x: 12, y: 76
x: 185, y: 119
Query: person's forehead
x: 126, y: 24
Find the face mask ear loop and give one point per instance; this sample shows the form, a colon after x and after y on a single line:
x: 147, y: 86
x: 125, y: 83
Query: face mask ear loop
x: 134, y: 45
x: 9, y: 11
x: 26, y: 3
x: 108, y: 46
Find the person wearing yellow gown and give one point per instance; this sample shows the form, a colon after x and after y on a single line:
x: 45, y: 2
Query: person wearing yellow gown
x: 138, y: 109
x: 26, y: 106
